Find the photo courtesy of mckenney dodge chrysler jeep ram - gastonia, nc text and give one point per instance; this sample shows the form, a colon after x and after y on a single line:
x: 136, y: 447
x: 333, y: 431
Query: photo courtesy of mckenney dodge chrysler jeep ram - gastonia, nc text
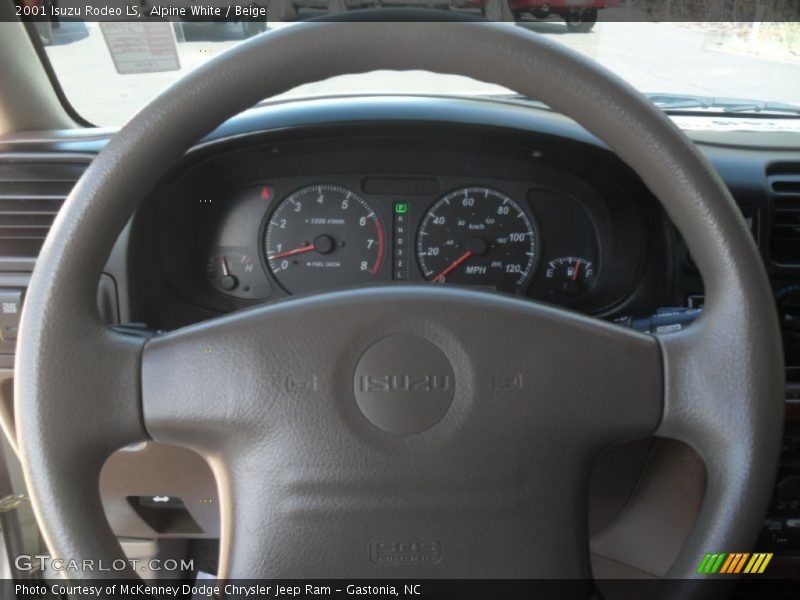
x: 482, y: 299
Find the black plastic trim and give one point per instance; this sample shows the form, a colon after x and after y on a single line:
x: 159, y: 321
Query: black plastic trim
x: 30, y: 27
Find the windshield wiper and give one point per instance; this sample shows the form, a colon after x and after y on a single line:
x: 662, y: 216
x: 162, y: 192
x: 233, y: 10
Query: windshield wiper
x: 689, y: 103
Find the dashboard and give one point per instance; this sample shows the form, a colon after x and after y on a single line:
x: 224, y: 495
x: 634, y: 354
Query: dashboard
x: 267, y: 216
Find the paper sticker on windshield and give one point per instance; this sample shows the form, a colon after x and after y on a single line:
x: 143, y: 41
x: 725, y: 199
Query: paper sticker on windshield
x: 141, y: 47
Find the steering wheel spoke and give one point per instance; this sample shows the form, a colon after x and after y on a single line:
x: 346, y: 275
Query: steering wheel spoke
x: 415, y: 432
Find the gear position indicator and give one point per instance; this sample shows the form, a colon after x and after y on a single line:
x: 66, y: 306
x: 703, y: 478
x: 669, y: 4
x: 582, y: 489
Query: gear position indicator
x: 400, y: 241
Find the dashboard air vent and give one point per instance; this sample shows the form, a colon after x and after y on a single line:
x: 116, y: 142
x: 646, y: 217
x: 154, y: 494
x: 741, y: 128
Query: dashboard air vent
x: 32, y: 190
x: 784, y: 184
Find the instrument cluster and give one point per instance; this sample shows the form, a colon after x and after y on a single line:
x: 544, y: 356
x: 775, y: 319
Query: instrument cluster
x: 250, y: 222
x: 307, y: 236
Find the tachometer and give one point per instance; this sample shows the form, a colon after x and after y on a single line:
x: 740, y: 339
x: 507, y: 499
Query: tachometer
x: 324, y: 236
x: 477, y: 236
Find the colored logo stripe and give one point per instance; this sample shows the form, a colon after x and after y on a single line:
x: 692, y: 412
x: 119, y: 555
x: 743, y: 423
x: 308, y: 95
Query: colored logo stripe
x: 711, y: 563
x: 734, y: 563
x: 732, y: 558
x: 737, y: 563
x: 758, y: 563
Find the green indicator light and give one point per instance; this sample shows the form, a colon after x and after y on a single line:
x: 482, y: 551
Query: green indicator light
x: 401, y: 208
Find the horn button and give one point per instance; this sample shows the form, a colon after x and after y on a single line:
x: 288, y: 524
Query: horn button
x: 403, y: 384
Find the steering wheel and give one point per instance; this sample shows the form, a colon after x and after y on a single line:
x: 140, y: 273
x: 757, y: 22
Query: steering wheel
x: 451, y: 429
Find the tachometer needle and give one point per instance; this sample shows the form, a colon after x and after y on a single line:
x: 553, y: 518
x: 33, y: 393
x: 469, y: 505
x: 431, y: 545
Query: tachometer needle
x: 308, y: 248
x: 440, y: 277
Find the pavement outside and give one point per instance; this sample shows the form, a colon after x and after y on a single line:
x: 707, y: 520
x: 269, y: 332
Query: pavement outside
x: 654, y: 57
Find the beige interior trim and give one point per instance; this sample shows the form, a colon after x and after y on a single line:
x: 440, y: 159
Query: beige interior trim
x: 28, y: 101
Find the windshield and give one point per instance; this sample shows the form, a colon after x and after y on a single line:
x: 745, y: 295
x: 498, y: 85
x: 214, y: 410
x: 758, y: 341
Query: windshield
x: 738, y: 68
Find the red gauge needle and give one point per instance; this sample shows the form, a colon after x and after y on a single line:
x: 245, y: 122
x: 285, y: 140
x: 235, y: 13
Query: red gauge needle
x: 308, y: 248
x: 451, y: 266
x: 575, y: 270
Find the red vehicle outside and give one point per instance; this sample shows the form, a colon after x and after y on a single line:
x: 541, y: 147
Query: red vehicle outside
x: 580, y: 15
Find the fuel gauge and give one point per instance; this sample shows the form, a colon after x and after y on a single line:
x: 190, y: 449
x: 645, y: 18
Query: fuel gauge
x: 236, y: 273
x: 569, y: 276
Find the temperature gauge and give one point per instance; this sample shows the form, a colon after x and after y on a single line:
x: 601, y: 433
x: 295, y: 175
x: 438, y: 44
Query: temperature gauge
x: 568, y: 276
x: 235, y: 273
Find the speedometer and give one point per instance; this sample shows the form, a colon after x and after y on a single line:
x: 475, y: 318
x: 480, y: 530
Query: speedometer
x: 477, y: 236
x: 324, y: 236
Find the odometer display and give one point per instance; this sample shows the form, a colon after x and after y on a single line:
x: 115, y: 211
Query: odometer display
x: 477, y: 236
x: 324, y: 236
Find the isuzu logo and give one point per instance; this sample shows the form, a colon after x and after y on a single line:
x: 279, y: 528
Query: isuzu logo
x: 405, y: 383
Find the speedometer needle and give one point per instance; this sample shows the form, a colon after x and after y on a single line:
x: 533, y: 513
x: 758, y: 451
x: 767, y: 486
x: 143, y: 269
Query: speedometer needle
x: 300, y: 250
x: 440, y: 277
